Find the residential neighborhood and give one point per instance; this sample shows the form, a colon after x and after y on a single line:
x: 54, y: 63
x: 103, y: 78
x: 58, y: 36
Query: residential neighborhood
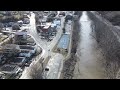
x: 59, y: 45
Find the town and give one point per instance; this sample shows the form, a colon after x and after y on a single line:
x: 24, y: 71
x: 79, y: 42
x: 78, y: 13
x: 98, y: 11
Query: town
x: 26, y: 35
x: 59, y: 45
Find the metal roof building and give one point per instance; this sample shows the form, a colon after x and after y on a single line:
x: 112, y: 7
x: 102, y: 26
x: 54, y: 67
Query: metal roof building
x: 64, y: 41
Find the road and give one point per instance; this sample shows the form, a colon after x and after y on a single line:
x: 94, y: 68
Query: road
x: 46, y: 46
x: 89, y: 64
x: 54, y: 65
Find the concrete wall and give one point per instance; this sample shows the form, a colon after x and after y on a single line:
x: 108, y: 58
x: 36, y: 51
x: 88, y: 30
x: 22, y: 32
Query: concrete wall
x: 109, y: 41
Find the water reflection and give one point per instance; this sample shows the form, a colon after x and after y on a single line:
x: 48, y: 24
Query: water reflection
x: 89, y: 65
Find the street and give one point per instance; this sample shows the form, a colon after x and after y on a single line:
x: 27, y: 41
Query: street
x: 54, y: 66
x: 46, y: 46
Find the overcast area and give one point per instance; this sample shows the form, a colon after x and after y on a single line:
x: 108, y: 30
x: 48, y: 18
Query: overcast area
x: 59, y: 44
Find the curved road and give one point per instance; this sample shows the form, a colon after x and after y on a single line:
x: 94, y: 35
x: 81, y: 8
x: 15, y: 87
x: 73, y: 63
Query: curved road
x: 43, y: 44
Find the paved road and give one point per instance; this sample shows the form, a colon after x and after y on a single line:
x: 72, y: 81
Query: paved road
x: 54, y: 66
x: 44, y: 44
x: 90, y: 58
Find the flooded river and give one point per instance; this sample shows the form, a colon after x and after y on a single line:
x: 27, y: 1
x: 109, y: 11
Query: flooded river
x: 89, y: 56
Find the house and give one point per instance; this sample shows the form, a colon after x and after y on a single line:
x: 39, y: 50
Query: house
x: 25, y: 53
x: 26, y: 21
x: 15, y: 26
x: 11, y: 49
x: 57, y: 22
x: 28, y: 47
x: 46, y: 28
x: 20, y: 61
x: 10, y: 69
x: 20, y: 37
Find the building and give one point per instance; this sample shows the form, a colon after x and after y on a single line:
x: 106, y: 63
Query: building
x: 2, y: 59
x: 63, y: 44
x: 20, y: 38
x: 15, y: 27
x: 46, y: 28
x: 11, y: 49
x: 20, y: 61
x: 57, y: 22
x: 25, y: 53
x: 28, y: 47
x: 10, y: 69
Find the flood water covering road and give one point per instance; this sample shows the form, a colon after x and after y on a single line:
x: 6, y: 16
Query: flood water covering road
x: 90, y: 60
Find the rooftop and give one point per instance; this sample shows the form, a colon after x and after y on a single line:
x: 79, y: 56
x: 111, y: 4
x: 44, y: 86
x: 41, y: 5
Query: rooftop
x: 11, y: 46
x: 46, y: 26
x: 18, y: 59
x: 64, y: 41
x: 25, y: 51
x: 26, y: 47
x: 8, y: 68
x: 21, y: 33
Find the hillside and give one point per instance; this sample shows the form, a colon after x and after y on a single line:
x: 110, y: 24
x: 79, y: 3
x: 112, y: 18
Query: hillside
x: 112, y: 16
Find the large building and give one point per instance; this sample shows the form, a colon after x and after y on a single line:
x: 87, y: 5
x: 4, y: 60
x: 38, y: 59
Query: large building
x: 63, y: 44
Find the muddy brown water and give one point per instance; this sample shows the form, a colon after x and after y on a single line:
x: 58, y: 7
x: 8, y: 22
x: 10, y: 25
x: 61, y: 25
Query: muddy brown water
x: 89, y: 57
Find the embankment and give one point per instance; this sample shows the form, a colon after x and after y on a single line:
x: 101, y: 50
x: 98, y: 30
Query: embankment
x: 69, y: 64
x: 109, y: 41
